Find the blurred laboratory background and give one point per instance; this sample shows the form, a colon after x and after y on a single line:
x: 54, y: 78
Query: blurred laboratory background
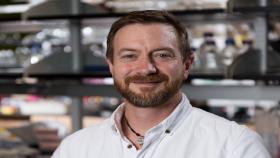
x: 54, y: 79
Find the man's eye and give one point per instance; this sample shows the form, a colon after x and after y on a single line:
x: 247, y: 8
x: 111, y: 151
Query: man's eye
x: 128, y: 56
x: 164, y: 55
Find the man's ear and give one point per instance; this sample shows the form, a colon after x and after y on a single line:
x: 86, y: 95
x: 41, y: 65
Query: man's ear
x: 110, y: 64
x: 188, y: 64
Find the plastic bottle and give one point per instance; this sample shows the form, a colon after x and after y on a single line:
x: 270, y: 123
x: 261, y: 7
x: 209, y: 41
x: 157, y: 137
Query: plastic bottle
x: 208, y: 54
x: 229, y: 53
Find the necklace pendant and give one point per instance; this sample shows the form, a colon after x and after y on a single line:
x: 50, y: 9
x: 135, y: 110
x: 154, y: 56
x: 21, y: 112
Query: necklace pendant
x: 140, y: 140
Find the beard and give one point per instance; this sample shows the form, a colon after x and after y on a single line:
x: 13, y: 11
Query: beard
x: 149, y: 97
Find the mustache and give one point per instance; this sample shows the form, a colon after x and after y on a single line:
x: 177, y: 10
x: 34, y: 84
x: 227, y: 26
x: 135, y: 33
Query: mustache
x: 150, y: 78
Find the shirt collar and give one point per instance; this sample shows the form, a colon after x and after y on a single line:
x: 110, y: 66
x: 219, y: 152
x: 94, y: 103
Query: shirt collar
x: 115, y: 119
x: 174, y: 119
x: 169, y: 123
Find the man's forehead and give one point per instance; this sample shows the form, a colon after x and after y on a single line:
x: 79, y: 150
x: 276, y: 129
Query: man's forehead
x: 145, y: 37
x: 134, y: 26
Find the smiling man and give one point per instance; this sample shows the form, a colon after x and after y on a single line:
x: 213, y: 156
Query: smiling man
x: 149, y: 57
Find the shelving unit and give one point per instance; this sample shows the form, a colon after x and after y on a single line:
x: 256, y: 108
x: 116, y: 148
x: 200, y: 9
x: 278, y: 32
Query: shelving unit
x: 71, y: 84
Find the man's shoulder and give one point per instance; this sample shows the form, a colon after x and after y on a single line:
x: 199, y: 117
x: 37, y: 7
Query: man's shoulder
x: 237, y: 140
x: 89, y: 133
x: 82, y: 141
x: 207, y: 117
x: 209, y: 122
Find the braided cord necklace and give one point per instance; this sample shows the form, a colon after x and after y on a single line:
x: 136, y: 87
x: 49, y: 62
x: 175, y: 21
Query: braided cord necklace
x: 140, y: 138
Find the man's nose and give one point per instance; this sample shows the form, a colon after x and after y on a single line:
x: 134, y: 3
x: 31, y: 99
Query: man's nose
x: 146, y: 66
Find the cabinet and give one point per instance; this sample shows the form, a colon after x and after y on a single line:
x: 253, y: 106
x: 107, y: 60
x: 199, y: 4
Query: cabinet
x: 70, y: 80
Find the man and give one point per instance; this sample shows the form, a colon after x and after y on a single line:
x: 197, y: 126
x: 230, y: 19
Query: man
x: 149, y: 57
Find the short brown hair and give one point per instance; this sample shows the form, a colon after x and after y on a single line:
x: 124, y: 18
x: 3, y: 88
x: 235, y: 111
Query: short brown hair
x: 149, y: 17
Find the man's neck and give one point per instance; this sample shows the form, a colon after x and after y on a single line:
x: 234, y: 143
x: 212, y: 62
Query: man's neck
x: 143, y: 119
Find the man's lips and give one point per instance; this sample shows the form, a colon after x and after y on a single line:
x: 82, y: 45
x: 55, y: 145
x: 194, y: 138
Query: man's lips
x: 145, y: 85
x: 146, y: 82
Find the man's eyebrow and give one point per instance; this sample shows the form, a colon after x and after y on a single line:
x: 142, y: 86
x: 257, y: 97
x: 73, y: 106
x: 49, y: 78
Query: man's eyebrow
x: 152, y: 51
x: 163, y: 49
x: 126, y: 50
